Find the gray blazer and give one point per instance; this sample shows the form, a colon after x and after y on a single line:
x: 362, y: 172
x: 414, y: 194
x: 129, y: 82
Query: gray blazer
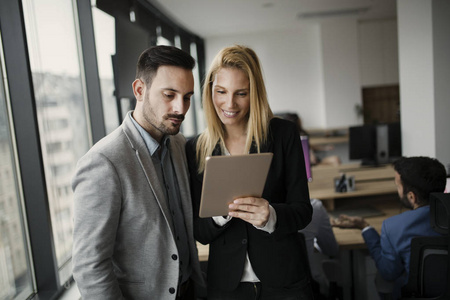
x: 123, y: 236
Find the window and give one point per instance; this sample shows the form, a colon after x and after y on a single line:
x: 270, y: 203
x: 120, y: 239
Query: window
x: 161, y: 40
x: 59, y: 91
x: 15, y: 268
x: 105, y: 43
x: 194, y: 122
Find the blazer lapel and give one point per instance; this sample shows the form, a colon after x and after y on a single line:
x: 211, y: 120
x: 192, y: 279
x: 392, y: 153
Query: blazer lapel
x: 180, y: 166
x: 145, y: 160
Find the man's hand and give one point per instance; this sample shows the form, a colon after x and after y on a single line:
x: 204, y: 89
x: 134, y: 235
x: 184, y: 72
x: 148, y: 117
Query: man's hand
x: 345, y: 221
x: 253, y: 210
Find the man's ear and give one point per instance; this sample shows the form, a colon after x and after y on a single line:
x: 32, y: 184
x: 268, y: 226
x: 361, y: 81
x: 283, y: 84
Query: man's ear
x: 138, y: 89
x: 412, y: 199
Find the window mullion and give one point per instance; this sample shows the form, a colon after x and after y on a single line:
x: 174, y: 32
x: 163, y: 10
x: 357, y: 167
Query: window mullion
x: 28, y: 146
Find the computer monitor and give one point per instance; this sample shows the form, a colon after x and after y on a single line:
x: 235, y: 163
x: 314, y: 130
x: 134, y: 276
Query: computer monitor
x: 305, y: 147
x: 375, y: 144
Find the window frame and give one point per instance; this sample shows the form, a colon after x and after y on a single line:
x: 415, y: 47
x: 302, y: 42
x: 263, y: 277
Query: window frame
x: 23, y: 111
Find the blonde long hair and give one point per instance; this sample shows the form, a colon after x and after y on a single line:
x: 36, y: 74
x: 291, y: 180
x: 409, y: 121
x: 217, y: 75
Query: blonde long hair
x: 244, y: 59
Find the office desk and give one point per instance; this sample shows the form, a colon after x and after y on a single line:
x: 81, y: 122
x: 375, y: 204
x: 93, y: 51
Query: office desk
x: 203, y: 252
x: 349, y: 239
x: 369, y: 181
x: 375, y: 187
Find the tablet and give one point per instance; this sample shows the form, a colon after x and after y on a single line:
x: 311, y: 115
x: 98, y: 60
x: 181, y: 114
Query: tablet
x: 232, y: 176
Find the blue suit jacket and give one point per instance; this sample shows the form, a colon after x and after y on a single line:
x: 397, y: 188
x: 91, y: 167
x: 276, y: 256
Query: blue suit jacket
x: 391, y: 252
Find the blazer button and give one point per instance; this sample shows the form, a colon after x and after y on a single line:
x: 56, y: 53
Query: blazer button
x: 172, y: 290
x: 174, y: 256
x: 244, y: 241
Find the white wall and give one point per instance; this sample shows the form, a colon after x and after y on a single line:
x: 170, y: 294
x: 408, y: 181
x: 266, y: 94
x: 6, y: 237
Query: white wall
x: 378, y: 48
x: 416, y: 78
x: 441, y: 42
x: 342, y: 85
x: 424, y: 44
x: 312, y: 70
x: 292, y: 66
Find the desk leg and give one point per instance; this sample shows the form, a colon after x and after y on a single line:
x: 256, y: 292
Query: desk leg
x: 346, y: 280
x: 364, y: 272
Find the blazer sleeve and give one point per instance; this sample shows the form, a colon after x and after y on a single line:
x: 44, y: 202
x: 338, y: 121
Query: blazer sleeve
x: 97, y: 202
x: 290, y: 200
x: 205, y: 229
x: 388, y: 262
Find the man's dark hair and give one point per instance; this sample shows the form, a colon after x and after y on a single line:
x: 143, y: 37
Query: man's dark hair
x: 154, y: 57
x: 422, y: 176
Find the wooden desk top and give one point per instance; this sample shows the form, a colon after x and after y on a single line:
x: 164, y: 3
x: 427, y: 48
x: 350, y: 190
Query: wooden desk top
x: 316, y: 141
x: 352, y: 238
x: 369, y: 181
x: 203, y: 252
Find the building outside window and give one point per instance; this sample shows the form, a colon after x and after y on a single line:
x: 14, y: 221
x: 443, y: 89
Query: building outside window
x: 59, y: 91
x: 16, y: 281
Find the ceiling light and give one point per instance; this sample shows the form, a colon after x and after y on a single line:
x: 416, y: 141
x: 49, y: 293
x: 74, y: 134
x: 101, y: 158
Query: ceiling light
x: 332, y: 13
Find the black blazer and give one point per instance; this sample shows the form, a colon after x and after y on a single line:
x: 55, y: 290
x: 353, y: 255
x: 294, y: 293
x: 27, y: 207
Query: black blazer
x: 276, y: 258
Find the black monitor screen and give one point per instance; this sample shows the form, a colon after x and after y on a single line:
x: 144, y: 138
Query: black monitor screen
x: 375, y: 144
x: 395, y: 140
x: 362, y: 142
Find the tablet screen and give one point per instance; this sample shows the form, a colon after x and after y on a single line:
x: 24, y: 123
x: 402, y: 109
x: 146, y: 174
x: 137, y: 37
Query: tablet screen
x: 232, y: 176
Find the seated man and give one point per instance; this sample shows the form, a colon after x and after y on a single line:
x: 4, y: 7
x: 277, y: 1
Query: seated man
x: 320, y: 243
x: 416, y: 178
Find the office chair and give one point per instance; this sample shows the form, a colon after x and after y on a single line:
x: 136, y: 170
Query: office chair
x: 429, y: 274
x: 314, y: 285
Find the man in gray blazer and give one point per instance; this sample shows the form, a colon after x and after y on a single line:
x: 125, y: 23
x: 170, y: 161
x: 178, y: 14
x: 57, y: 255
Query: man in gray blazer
x: 133, y: 232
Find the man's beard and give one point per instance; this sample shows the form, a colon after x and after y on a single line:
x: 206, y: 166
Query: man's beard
x: 171, y: 129
x: 405, y: 202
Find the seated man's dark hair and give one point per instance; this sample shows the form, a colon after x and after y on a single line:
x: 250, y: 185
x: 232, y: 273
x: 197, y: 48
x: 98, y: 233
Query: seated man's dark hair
x: 422, y: 176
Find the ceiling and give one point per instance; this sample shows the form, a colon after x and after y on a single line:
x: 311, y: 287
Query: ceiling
x: 209, y: 18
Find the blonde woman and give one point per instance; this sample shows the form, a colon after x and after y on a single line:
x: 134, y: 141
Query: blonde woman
x: 255, y: 251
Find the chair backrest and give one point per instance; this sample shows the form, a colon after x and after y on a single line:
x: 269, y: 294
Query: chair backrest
x: 440, y: 212
x: 429, y: 273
